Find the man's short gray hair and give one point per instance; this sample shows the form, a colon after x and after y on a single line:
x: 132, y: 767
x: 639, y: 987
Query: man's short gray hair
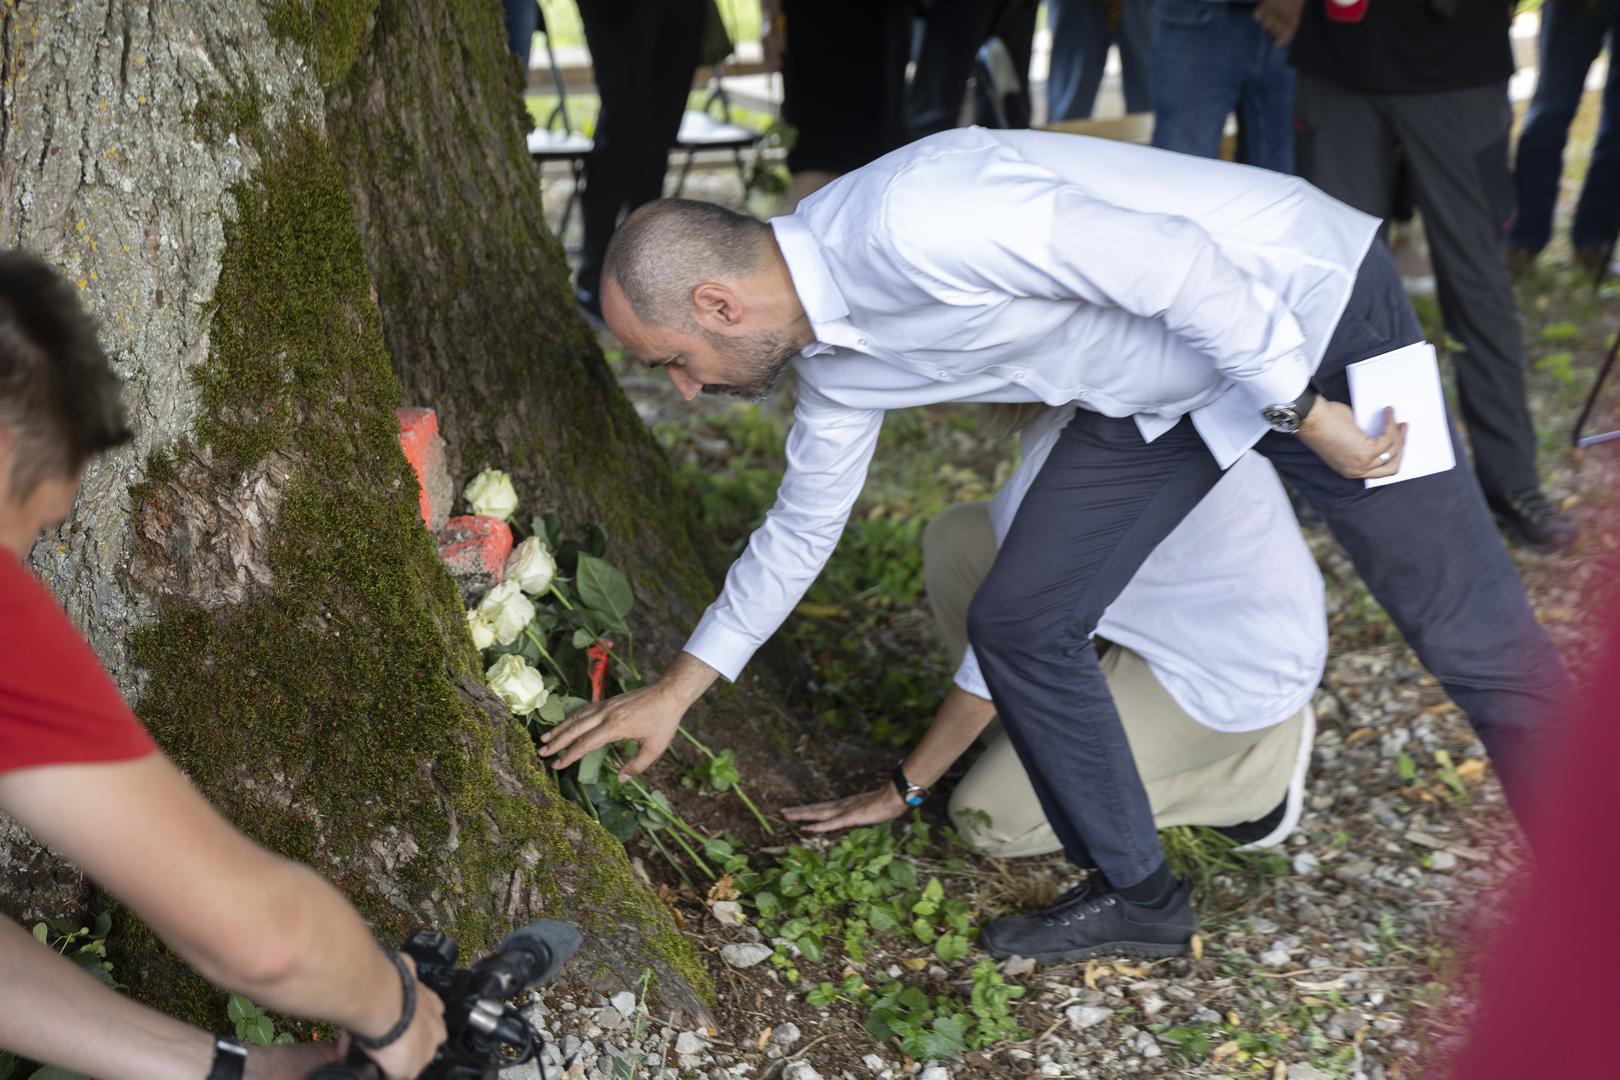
x: 666, y: 248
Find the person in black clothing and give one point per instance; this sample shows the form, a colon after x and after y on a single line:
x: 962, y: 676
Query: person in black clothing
x: 644, y: 53
x: 1430, y: 77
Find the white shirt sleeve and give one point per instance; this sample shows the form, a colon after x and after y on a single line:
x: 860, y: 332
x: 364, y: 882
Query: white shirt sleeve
x: 1024, y: 232
x: 828, y: 450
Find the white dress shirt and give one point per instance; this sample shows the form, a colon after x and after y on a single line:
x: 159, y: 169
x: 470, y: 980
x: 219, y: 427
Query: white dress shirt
x: 1021, y: 266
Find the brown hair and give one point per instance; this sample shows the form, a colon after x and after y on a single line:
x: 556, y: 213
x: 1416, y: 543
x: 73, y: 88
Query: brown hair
x: 58, y: 393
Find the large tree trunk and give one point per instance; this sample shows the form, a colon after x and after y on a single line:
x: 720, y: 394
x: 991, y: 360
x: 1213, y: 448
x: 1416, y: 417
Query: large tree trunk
x: 217, y: 177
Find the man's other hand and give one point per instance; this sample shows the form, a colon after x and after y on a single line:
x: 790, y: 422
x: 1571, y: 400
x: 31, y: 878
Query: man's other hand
x: 868, y: 808
x: 1330, y: 430
x: 1279, y: 18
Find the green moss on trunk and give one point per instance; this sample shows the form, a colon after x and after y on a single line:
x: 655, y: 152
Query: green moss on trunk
x: 326, y: 717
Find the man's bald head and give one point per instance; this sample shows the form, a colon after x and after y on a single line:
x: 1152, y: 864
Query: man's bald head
x: 668, y: 248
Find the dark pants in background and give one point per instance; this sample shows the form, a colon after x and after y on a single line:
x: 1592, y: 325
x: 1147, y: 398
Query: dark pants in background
x: 952, y: 32
x: 1456, y: 144
x: 1572, y: 35
x: 644, y: 53
x: 1082, y: 32
x: 844, y: 81
x: 1104, y: 499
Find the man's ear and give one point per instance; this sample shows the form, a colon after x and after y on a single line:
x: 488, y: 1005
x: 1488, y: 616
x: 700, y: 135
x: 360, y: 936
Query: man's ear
x: 716, y: 306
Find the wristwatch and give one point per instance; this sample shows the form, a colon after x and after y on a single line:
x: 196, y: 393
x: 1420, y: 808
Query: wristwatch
x: 1288, y: 417
x: 910, y: 793
x: 230, y: 1059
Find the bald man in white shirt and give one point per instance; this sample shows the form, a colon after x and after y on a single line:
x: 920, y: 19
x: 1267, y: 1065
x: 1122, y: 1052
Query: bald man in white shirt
x: 1188, y: 310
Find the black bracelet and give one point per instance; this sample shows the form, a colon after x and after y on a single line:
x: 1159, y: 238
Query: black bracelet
x: 230, y: 1059
x: 406, y: 1016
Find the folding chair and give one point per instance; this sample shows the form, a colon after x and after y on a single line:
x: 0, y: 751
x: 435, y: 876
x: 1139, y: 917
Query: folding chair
x: 711, y: 127
x: 999, y: 86
x: 556, y: 139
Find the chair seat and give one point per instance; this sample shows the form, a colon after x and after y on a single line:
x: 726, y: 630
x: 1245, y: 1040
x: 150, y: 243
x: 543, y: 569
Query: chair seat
x: 700, y: 129
x: 546, y: 144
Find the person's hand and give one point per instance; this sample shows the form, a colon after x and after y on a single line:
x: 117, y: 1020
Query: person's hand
x: 649, y: 717
x: 1331, y: 431
x: 408, y: 1055
x: 1279, y: 18
x: 868, y: 808
x: 293, y: 1062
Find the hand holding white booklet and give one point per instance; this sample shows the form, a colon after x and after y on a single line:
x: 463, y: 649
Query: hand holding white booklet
x: 1408, y: 380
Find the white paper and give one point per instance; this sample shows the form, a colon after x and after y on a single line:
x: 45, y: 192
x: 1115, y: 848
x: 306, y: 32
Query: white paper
x: 1409, y: 380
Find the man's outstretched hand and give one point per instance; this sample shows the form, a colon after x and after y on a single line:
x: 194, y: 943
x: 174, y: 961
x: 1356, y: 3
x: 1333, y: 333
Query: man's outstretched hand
x: 1331, y: 431
x: 648, y: 717
x: 868, y: 808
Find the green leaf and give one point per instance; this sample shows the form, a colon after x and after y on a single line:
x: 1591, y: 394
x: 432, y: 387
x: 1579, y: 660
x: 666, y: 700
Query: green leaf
x: 951, y: 947
x: 236, y: 1009
x: 552, y: 712
x: 42, y: 934
x: 1406, y: 766
x: 810, y: 946
x: 604, y: 590
x: 822, y: 996
x: 583, y: 638
x: 590, y: 766
x: 922, y: 931
x: 619, y: 820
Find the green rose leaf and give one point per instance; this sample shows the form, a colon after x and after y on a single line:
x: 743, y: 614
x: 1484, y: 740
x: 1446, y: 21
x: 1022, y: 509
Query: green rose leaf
x: 590, y: 766
x: 605, y: 591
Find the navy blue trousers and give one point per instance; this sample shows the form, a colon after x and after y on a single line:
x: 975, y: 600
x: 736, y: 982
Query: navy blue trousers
x: 1427, y: 549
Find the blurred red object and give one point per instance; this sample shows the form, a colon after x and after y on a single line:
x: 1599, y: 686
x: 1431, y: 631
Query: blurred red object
x: 1548, y: 996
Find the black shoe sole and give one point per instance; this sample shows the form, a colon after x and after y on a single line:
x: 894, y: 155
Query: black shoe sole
x: 1141, y: 950
x: 1517, y: 535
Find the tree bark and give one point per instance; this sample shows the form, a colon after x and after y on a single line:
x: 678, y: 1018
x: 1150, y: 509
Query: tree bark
x: 281, y: 215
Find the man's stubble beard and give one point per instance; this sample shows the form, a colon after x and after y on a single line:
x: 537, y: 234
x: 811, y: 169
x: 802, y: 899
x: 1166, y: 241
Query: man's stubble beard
x: 760, y: 361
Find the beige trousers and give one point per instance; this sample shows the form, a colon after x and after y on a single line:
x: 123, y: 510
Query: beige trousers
x: 1194, y: 774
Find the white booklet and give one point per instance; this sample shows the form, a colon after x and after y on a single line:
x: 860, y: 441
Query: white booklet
x: 1409, y: 380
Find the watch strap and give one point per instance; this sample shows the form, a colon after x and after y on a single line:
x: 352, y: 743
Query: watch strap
x: 230, y: 1060
x: 910, y: 793
x: 407, y: 1012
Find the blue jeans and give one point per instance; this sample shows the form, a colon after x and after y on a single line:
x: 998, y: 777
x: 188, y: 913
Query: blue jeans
x: 1209, y: 59
x: 1572, y: 35
x: 522, y: 21
x: 1080, y: 42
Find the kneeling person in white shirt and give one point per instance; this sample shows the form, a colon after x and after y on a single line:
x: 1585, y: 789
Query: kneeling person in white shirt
x: 1212, y: 654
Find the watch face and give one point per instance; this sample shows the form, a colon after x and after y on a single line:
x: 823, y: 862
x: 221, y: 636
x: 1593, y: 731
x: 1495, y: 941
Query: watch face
x: 1282, y: 418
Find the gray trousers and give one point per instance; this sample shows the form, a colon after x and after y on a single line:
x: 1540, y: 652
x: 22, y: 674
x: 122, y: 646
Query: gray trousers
x: 1104, y: 499
x: 1456, y: 144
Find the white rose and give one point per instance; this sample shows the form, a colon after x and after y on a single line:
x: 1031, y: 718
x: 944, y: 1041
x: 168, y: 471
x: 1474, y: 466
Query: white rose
x: 491, y: 494
x: 531, y: 566
x: 506, y: 610
x: 483, y: 634
x: 517, y: 684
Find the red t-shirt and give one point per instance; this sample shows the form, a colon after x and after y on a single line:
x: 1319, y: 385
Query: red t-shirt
x: 57, y: 705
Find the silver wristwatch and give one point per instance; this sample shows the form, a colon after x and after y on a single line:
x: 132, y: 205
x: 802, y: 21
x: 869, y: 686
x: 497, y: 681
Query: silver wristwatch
x: 1287, y: 418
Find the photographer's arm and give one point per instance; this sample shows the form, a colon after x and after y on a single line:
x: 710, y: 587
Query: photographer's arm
x: 52, y: 1011
x: 243, y: 917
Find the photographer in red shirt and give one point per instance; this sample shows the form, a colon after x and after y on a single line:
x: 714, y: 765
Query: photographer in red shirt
x: 81, y: 774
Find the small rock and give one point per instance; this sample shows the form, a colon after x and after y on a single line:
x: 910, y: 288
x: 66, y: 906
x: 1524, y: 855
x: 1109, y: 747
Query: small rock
x: 873, y: 1062
x: 1151, y: 1004
x: 786, y: 1036
x: 1443, y: 860
x: 1084, y: 1016
x: 1302, y: 1071
x: 800, y: 1070
x: 1275, y: 958
x: 1305, y: 864
x: 625, y: 1002
x: 934, y: 1072
x: 729, y: 912
x: 690, y: 1042
x: 1018, y: 965
x: 745, y: 954
x: 609, y: 1019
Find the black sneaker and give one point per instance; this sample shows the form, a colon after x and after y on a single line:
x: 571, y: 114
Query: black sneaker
x: 1529, y: 518
x: 1092, y: 920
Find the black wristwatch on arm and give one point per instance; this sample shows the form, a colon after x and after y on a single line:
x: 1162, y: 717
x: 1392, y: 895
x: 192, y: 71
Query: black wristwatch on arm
x: 1288, y: 417
x: 910, y: 793
x: 230, y: 1059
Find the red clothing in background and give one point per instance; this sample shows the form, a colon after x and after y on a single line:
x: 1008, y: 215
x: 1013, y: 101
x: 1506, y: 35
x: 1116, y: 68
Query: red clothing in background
x: 57, y: 705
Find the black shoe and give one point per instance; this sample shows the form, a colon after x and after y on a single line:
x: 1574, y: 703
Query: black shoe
x: 1533, y: 521
x: 1093, y: 920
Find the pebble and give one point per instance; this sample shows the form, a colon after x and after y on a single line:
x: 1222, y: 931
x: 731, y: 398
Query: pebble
x: 1302, y: 1071
x: 786, y: 1036
x: 729, y: 912
x: 690, y: 1042
x: 1275, y: 958
x: 609, y: 1019
x: 934, y: 1072
x: 1305, y: 864
x: 745, y: 954
x: 873, y: 1062
x: 1151, y: 1004
x: 1084, y: 1016
x: 625, y: 1002
x: 1443, y: 860
x: 1018, y: 965
x: 800, y: 1070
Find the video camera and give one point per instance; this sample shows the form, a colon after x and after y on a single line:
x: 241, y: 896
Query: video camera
x: 486, y: 1034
